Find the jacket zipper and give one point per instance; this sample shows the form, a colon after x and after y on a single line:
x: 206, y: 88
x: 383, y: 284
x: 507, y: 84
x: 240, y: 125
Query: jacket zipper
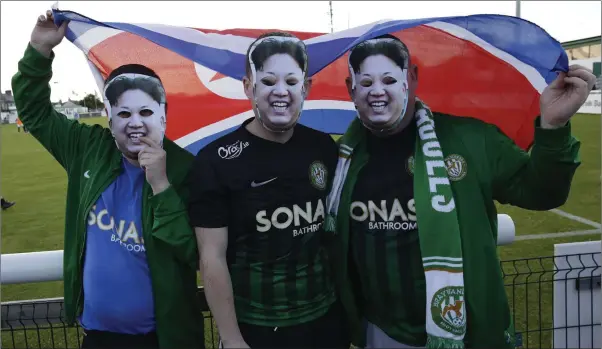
x: 147, y: 230
x: 101, y: 188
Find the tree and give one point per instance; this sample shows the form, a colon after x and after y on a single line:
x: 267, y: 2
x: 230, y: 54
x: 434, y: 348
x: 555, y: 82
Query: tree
x: 90, y: 102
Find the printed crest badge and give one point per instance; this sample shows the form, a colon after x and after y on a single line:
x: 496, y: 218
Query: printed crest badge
x: 318, y: 175
x: 448, y: 309
x: 410, y: 165
x: 456, y: 167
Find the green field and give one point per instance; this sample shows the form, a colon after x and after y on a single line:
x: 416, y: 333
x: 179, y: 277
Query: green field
x: 32, y: 178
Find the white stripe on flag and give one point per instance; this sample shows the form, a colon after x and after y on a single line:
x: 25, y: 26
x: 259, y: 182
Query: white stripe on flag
x: 217, y: 127
x: 94, y: 36
x: 229, y: 42
x: 238, y: 119
x: 99, y: 80
x: 532, y: 75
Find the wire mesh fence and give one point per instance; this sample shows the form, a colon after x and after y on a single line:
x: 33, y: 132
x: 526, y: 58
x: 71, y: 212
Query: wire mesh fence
x: 555, y: 303
x: 555, y: 300
x: 41, y: 324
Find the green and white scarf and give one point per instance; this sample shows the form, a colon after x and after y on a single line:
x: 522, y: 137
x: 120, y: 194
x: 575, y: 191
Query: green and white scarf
x: 438, y: 229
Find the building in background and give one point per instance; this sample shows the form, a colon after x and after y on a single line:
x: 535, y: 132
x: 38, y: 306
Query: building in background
x: 587, y: 52
x: 8, y: 110
x: 70, y: 109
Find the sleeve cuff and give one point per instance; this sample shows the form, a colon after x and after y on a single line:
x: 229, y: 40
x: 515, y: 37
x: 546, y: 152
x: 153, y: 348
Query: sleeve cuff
x: 163, y: 203
x: 35, y: 63
x: 552, y: 138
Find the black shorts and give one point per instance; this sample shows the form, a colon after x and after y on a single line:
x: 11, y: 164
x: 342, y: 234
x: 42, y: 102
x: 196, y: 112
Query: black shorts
x: 329, y: 331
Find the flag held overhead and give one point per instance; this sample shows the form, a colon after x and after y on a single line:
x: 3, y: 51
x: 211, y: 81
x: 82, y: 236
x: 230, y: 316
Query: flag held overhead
x: 489, y: 67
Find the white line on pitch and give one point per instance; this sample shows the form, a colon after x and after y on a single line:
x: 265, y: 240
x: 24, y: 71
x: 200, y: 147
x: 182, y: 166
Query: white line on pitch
x: 576, y: 218
x: 557, y: 235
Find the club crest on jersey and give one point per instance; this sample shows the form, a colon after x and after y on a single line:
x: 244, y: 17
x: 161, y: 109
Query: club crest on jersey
x: 456, y: 167
x: 448, y: 309
x: 232, y: 151
x: 318, y: 175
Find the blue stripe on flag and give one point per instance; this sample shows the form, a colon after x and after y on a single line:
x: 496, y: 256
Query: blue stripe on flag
x: 522, y: 39
x: 333, y: 121
x: 201, y: 143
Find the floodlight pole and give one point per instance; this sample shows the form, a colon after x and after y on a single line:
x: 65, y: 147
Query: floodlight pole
x: 331, y: 24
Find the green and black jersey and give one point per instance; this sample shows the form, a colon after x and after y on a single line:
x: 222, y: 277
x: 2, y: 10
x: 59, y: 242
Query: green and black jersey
x: 384, y: 239
x: 483, y: 165
x: 272, y: 198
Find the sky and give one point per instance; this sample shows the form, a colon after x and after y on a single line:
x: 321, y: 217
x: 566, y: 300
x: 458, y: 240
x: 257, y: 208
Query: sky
x: 564, y: 20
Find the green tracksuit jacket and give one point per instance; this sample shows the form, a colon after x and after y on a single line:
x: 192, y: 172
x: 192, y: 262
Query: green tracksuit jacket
x: 170, y: 242
x: 494, y: 169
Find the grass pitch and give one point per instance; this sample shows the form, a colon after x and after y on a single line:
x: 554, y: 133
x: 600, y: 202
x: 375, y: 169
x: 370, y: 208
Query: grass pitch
x: 32, y: 178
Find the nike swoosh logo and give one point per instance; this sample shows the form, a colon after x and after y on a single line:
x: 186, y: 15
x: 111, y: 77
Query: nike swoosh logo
x: 87, y: 174
x: 254, y: 185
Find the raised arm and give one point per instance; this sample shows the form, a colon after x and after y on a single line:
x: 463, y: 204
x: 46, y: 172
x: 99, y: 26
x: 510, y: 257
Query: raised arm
x: 542, y: 179
x: 65, y: 139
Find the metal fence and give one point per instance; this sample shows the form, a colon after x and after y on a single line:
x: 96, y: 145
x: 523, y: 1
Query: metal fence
x: 552, y: 300
x: 540, y: 291
x: 40, y: 324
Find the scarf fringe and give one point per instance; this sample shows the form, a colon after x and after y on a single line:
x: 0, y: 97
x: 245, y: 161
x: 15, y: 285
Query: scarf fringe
x: 433, y: 342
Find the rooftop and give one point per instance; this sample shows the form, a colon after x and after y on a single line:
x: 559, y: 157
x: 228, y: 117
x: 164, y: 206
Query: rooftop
x: 7, y: 96
x: 582, y: 42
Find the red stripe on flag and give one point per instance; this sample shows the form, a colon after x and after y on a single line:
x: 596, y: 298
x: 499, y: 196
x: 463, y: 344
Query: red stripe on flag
x: 455, y: 77
x: 190, y: 104
x: 458, y: 77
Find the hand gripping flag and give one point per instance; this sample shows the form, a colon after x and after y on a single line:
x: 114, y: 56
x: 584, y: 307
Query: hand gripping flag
x: 489, y: 67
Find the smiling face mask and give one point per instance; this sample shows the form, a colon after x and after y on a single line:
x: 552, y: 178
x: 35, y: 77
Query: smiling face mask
x: 380, y: 90
x: 136, y: 108
x: 278, y: 87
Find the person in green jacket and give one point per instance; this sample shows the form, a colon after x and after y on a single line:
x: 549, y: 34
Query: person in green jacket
x: 412, y: 204
x: 130, y: 254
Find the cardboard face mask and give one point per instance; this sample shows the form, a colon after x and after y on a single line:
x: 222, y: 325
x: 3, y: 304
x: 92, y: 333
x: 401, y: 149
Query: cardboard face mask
x: 136, y: 108
x: 279, y: 87
x: 380, y: 90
